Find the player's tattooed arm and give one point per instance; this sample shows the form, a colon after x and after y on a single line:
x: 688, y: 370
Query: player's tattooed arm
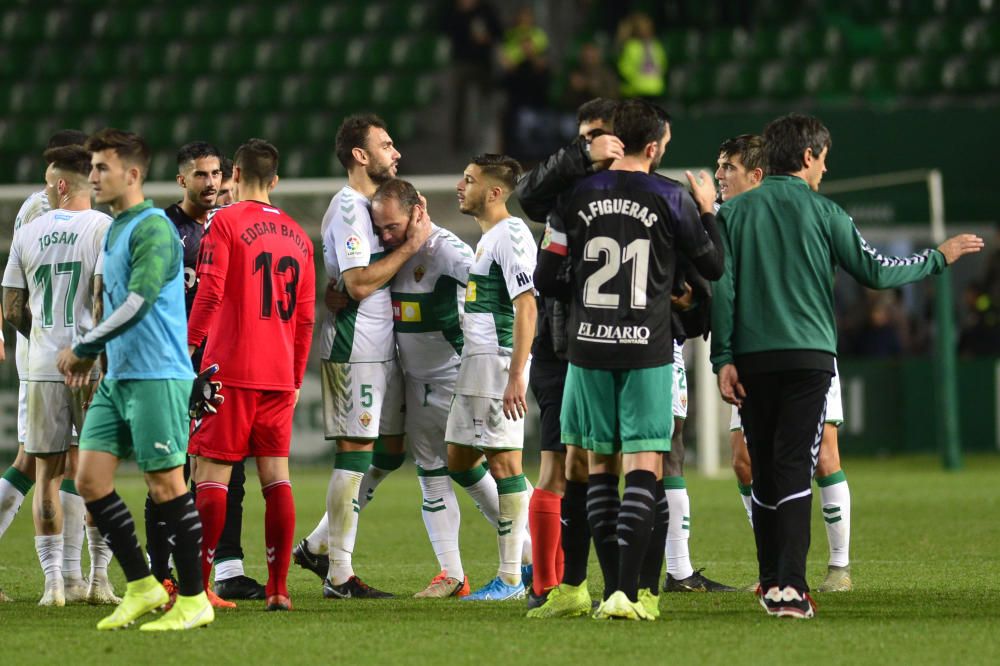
x: 15, y: 309
x: 97, y: 289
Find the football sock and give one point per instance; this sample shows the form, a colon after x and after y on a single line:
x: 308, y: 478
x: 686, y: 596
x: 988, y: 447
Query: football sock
x: 835, y: 497
x: 649, y: 576
x: 230, y: 548
x: 635, y: 528
x: 211, y: 503
x: 184, y: 524
x: 115, y: 522
x: 575, y: 536
x: 50, y: 555
x: 342, y: 508
x: 543, y: 521
x: 511, y: 524
x: 442, y: 519
x: 100, y: 553
x: 279, y: 530
x: 482, y: 489
x: 13, y: 487
x: 226, y: 569
x: 74, y: 510
x: 318, y: 540
x: 157, y: 541
x: 382, y: 465
x: 747, y: 502
x: 679, y: 530
x: 603, y: 505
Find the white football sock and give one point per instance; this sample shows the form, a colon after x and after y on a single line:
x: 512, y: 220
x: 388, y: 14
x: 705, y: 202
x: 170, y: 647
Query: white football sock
x: 50, y: 556
x: 318, y: 540
x: 484, y: 493
x: 74, y: 509
x: 342, y: 508
x: 836, y: 500
x: 678, y: 533
x: 373, y: 477
x: 11, y: 500
x: 100, y: 553
x: 442, y: 519
x: 511, y: 524
x: 228, y: 569
x: 748, y: 505
x: 526, y: 547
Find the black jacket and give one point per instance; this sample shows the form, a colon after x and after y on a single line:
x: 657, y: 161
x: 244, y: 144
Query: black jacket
x: 539, y: 188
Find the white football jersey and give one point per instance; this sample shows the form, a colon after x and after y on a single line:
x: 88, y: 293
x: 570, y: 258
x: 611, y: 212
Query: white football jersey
x: 361, y: 332
x: 503, y: 269
x: 34, y: 206
x: 428, y: 294
x: 55, y: 258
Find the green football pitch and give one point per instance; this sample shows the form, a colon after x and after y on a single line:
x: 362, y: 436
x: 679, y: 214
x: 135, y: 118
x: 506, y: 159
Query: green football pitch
x: 926, y: 568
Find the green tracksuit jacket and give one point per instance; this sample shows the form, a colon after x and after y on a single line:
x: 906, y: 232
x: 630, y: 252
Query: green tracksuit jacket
x: 773, y: 306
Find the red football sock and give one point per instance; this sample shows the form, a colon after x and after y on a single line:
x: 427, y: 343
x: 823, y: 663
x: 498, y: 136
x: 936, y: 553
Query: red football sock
x: 211, y: 503
x: 279, y: 530
x: 546, y: 539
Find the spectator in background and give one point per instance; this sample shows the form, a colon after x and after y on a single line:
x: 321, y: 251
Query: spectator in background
x: 474, y: 30
x: 643, y: 60
x: 525, y: 115
x: 590, y: 79
x: 981, y: 324
x: 882, y: 335
x: 524, y: 29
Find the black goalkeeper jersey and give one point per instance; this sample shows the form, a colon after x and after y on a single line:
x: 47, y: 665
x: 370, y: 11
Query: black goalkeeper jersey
x: 622, y: 231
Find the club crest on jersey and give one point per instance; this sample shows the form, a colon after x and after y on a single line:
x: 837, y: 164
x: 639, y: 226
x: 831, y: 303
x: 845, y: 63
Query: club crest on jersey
x: 365, y: 419
x: 419, y: 272
x: 479, y: 254
x: 353, y: 245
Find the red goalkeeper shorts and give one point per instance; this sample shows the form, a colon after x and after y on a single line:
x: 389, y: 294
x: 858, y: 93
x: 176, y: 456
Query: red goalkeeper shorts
x: 249, y: 423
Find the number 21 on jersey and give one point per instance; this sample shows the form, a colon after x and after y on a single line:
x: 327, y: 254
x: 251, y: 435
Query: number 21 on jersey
x: 609, y: 251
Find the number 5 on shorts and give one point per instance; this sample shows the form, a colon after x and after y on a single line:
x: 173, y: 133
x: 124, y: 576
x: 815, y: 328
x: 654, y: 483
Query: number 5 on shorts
x: 366, y: 395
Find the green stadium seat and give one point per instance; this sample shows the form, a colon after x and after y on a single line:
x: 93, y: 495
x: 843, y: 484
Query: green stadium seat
x: 164, y: 22
x: 938, y: 37
x: 293, y: 163
x: 256, y: 92
x: 780, y: 79
x: 799, y: 40
x: 275, y: 56
x: 112, y: 24
x: 179, y: 57
x: 44, y: 62
x: 224, y: 130
x: 323, y: 55
x: 200, y: 22
x: 319, y: 127
x: 991, y: 74
x: 301, y: 93
x: 764, y: 44
x: 60, y: 24
x: 9, y: 68
x: 403, y: 124
x: 719, y: 44
x: 826, y: 79
x: 14, y: 135
x: 863, y: 40
x: 870, y: 78
x: 213, y: 94
x: 401, y: 91
x: 423, y: 52
x: 689, y: 83
x: 120, y: 97
x: 229, y: 57
x: 30, y: 169
x: 981, y: 35
x: 343, y: 18
x: 673, y: 43
x: 31, y: 98
x: 368, y: 53
x: 898, y: 38
x: 249, y: 20
x: 743, y: 44
x: 22, y: 26
x: 74, y: 97
x: 419, y: 16
x: 735, y: 81
x: 397, y: 16
x: 346, y: 92
x: 183, y: 129
x: 916, y: 76
x: 162, y: 94
x: 163, y: 166
x: 961, y: 75
x: 94, y: 61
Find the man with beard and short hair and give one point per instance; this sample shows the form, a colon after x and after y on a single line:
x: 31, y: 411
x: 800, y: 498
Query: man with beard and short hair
x: 359, y: 354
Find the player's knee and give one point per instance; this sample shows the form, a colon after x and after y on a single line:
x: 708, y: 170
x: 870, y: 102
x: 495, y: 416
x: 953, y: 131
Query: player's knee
x: 92, y: 488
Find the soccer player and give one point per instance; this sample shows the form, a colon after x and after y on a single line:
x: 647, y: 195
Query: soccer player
x: 557, y: 513
x: 18, y: 479
x: 50, y: 291
x: 141, y: 404
x: 362, y: 387
x: 428, y: 294
x: 226, y: 194
x: 257, y: 290
x: 488, y: 409
x: 200, y: 174
x: 775, y: 355
x: 620, y: 229
x: 741, y: 168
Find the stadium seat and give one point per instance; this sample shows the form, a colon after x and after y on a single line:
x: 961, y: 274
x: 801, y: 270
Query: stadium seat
x: 981, y: 35
x: 719, y: 44
x: 368, y: 53
x: 870, y: 78
x: 163, y: 166
x: 163, y: 22
x: 201, y: 22
x: 14, y: 135
x: 275, y: 56
x: 162, y: 94
x: 181, y: 57
x: 897, y: 38
x: 419, y: 52
x: 123, y: 97
x: 212, y: 94
x: 863, y: 40
x: 229, y: 57
x: 249, y: 20
x: 112, y: 24
x: 825, y: 79
x: 796, y: 40
x: 346, y: 92
x: 765, y: 44
x: 94, y: 61
x: 916, y: 76
x: 301, y: 92
x: 960, y: 75
x: 341, y: 18
x: 991, y: 74
x: 689, y: 83
x: 398, y: 92
x: 323, y: 55
x: 75, y: 97
x: 735, y: 81
x: 673, y: 44
x: 419, y: 16
x: 780, y: 79
x: 43, y: 62
x: 22, y: 26
x: 30, y: 98
x: 256, y: 92
x: 29, y: 169
x: 937, y: 37
x: 60, y: 24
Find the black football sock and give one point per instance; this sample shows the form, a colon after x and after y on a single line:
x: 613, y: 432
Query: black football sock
x: 602, y: 514
x: 118, y: 529
x: 652, y: 565
x: 575, y: 533
x: 229, y: 543
x: 184, y: 525
x: 635, y: 528
x: 157, y: 541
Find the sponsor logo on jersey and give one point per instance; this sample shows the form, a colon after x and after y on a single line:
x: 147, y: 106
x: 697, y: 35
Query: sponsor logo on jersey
x: 406, y: 311
x: 607, y: 334
x: 418, y: 273
x: 353, y: 245
x: 365, y: 419
x: 470, y: 291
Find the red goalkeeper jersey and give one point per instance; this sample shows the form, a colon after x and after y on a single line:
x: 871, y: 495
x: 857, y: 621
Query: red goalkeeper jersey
x: 256, y: 297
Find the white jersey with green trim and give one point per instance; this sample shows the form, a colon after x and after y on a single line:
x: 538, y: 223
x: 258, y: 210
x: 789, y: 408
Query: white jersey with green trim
x: 428, y: 295
x: 362, y: 331
x: 55, y: 258
x: 36, y: 205
x: 503, y: 269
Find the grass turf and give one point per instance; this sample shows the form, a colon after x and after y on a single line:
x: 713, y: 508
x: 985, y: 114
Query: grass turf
x: 925, y: 566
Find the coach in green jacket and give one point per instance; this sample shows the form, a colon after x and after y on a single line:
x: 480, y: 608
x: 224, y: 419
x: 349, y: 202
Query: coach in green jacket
x: 774, y: 335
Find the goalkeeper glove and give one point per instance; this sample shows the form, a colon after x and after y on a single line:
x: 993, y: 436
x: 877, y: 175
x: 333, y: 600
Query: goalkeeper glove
x: 205, y: 396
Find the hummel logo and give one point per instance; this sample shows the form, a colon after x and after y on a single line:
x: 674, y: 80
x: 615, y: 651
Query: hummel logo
x: 564, y: 522
x: 210, y: 555
x: 270, y: 555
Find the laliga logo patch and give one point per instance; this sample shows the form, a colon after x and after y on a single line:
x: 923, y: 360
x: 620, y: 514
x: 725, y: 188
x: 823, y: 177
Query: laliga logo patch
x: 418, y: 273
x: 547, y: 237
x: 353, y: 245
x: 365, y: 419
